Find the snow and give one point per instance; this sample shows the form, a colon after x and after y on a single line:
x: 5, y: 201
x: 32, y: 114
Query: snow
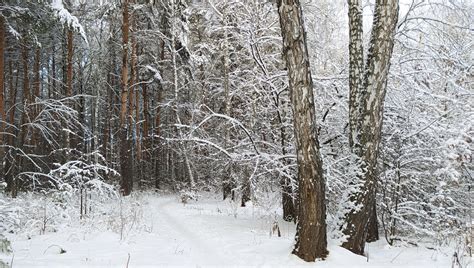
x: 210, y: 232
x: 14, y: 32
x: 66, y: 17
x: 156, y: 73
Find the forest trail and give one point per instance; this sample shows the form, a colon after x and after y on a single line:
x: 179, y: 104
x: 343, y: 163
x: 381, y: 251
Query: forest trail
x: 184, y: 229
x: 205, y: 233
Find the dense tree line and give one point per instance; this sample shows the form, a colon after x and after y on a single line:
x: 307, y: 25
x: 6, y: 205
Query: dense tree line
x: 360, y: 129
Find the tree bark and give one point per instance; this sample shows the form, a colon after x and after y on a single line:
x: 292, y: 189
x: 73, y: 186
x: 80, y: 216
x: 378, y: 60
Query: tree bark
x: 68, y: 81
x: 158, y: 148
x: 53, y: 71
x: 373, y: 227
x: 36, y: 94
x: 311, y: 241
x: 356, y: 64
x: 126, y: 167
x: 137, y: 111
x: 289, y: 210
x: 13, y: 92
x: 3, y: 115
x: 146, y: 124
x: 246, y: 186
x: 70, y: 40
x: 288, y: 202
x: 107, y: 147
x: 24, y: 116
x: 8, y: 170
x: 367, y: 124
x: 36, y: 71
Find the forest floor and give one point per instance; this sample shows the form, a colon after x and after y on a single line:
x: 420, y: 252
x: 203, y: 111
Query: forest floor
x: 160, y: 231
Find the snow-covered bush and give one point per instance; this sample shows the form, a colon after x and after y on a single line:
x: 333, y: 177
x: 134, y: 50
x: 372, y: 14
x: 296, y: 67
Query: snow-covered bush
x: 187, y: 195
x: 426, y: 154
x: 69, y: 192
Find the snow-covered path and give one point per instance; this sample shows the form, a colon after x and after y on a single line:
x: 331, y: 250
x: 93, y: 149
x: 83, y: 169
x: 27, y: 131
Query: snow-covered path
x: 184, y: 232
x: 161, y: 232
x: 204, y: 233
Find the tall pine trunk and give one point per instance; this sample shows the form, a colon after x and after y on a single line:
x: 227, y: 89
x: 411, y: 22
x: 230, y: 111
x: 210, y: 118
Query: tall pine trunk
x: 36, y: 94
x: 3, y: 115
x: 311, y: 241
x: 126, y: 167
x: 68, y: 81
x: 13, y: 84
x: 24, y: 117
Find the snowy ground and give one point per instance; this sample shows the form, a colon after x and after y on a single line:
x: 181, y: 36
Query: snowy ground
x: 161, y: 232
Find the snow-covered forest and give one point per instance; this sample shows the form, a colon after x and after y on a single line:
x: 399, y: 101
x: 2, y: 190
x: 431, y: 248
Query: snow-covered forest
x: 261, y: 133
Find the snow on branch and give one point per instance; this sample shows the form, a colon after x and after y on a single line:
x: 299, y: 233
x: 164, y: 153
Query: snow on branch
x: 65, y: 17
x: 203, y: 141
x: 156, y: 73
x: 230, y: 119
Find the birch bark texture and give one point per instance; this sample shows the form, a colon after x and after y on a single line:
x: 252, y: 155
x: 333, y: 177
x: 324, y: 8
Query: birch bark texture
x: 367, y: 94
x: 311, y: 240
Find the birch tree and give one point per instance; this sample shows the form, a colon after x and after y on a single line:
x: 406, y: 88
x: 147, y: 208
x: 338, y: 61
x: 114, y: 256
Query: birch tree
x: 311, y: 241
x: 366, y: 99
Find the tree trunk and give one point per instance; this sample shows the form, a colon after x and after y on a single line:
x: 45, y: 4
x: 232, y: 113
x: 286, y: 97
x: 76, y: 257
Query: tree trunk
x: 70, y: 40
x: 356, y: 64
x: 367, y: 122
x: 68, y: 81
x: 373, y: 228
x: 24, y: 118
x: 228, y: 184
x: 26, y: 92
x: 13, y: 92
x: 288, y: 204
x: 246, y: 186
x: 146, y: 124
x: 289, y: 210
x: 53, y: 71
x: 36, y: 71
x: 3, y: 115
x: 158, y: 148
x: 8, y: 169
x: 131, y: 106
x: 126, y: 168
x: 137, y: 110
x: 36, y: 94
x: 135, y: 113
x: 111, y: 96
x: 311, y: 241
